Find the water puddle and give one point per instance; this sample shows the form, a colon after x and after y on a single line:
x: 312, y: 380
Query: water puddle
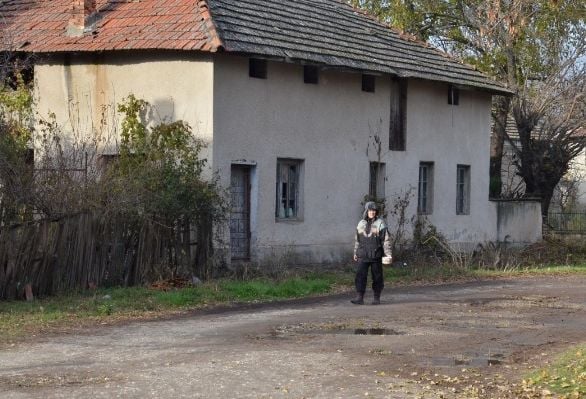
x: 495, y: 359
x: 375, y: 331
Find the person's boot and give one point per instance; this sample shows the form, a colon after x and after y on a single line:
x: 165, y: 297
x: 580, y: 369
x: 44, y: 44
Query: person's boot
x: 376, y: 299
x: 359, y: 300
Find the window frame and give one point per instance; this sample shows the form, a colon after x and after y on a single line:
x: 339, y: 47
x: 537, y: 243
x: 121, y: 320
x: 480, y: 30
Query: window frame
x: 453, y: 95
x: 425, y: 189
x: 257, y: 68
x: 310, y: 74
x: 376, y: 179
x: 398, y: 115
x: 281, y: 212
x: 462, y: 189
x: 368, y: 83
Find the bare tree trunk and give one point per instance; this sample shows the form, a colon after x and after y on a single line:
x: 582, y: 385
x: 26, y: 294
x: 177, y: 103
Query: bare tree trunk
x: 502, y: 106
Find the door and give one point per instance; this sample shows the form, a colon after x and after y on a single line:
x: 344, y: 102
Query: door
x: 240, y: 214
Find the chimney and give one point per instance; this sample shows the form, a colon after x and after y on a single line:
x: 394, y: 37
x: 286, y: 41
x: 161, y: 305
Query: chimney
x: 82, y: 16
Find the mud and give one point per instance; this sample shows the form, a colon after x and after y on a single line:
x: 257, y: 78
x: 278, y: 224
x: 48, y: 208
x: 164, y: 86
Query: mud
x: 452, y: 341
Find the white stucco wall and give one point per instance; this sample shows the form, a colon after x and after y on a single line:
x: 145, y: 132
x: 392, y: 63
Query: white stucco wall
x: 328, y: 126
x: 83, y: 91
x: 519, y: 222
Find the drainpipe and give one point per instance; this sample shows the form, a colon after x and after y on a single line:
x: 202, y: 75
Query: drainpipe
x: 83, y: 13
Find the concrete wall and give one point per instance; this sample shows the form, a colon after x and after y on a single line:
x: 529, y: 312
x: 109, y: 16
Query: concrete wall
x: 83, y: 91
x: 330, y: 126
x: 519, y: 222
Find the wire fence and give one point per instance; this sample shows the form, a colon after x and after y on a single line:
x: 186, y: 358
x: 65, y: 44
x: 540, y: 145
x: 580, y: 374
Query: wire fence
x: 567, y: 222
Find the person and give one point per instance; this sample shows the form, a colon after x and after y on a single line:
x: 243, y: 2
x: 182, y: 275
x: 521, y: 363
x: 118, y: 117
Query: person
x: 372, y: 241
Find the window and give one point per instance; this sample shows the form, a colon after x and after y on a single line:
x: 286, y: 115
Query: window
x: 257, y: 68
x: 310, y: 74
x: 288, y: 189
x: 425, y: 188
x: 397, y: 120
x: 376, y: 186
x: 453, y: 95
x: 368, y: 82
x: 463, y: 190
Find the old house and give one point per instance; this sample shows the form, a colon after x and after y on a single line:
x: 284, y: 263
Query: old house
x: 306, y: 106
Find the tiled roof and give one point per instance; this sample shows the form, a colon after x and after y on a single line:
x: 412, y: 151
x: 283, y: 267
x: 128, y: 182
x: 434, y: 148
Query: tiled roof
x: 40, y: 26
x: 333, y: 33
x: 327, y: 32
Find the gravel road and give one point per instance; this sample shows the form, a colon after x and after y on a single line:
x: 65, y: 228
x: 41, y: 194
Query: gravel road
x: 451, y: 341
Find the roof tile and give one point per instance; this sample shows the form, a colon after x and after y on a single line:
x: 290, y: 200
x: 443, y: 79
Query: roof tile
x: 328, y: 32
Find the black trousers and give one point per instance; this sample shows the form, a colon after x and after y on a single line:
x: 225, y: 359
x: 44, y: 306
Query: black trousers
x: 376, y: 269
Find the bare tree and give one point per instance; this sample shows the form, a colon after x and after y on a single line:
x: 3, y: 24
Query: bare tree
x: 550, y: 114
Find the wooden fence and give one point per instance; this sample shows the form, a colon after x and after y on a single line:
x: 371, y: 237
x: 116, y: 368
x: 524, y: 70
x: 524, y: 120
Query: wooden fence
x: 83, y: 250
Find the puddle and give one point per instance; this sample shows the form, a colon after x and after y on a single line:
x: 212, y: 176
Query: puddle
x: 496, y: 359
x: 375, y: 331
x: 353, y: 331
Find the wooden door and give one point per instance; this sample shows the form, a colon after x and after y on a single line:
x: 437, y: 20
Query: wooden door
x: 240, y: 214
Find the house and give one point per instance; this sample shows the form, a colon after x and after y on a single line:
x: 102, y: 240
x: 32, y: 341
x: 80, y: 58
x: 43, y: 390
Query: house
x: 306, y: 106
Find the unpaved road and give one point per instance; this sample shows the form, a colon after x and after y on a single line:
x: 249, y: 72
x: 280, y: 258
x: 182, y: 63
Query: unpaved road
x: 452, y: 341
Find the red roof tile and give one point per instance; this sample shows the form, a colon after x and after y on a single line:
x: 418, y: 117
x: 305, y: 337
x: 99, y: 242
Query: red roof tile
x: 41, y: 26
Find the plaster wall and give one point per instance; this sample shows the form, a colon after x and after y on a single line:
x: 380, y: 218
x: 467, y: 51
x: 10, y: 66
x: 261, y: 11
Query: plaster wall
x: 83, y: 91
x: 519, y: 222
x: 330, y: 127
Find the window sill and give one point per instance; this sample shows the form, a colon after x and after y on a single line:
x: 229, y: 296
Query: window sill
x: 289, y: 220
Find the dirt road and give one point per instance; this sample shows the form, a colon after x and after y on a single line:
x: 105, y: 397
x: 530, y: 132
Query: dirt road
x: 452, y: 341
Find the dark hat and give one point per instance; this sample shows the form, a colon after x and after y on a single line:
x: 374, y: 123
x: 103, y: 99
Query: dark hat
x: 369, y: 206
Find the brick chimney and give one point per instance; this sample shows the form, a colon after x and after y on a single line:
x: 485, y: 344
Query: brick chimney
x: 82, y: 16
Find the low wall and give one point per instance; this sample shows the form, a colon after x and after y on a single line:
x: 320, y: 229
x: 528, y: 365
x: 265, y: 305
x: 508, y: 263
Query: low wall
x: 519, y: 221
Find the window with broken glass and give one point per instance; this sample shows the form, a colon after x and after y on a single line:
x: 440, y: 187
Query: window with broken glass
x: 288, y: 192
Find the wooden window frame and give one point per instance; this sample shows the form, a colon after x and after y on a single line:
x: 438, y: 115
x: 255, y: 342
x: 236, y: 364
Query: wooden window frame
x: 398, y: 115
x: 288, y: 202
x: 425, y: 189
x: 463, y: 190
x: 376, y: 182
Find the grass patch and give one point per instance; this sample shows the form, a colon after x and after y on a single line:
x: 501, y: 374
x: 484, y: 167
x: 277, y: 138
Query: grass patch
x: 565, y: 377
x: 19, y: 319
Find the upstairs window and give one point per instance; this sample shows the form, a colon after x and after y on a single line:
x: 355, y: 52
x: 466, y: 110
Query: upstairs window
x: 288, y: 191
x: 368, y: 83
x: 398, y: 115
x: 425, y: 188
x: 310, y: 74
x: 463, y: 190
x: 453, y: 95
x: 376, y: 187
x: 257, y: 68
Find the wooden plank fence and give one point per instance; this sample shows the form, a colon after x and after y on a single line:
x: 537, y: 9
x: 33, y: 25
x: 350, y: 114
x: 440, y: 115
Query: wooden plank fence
x: 87, y: 249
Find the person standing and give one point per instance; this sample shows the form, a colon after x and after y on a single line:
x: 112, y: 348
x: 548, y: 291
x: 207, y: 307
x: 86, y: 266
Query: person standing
x: 371, y: 243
